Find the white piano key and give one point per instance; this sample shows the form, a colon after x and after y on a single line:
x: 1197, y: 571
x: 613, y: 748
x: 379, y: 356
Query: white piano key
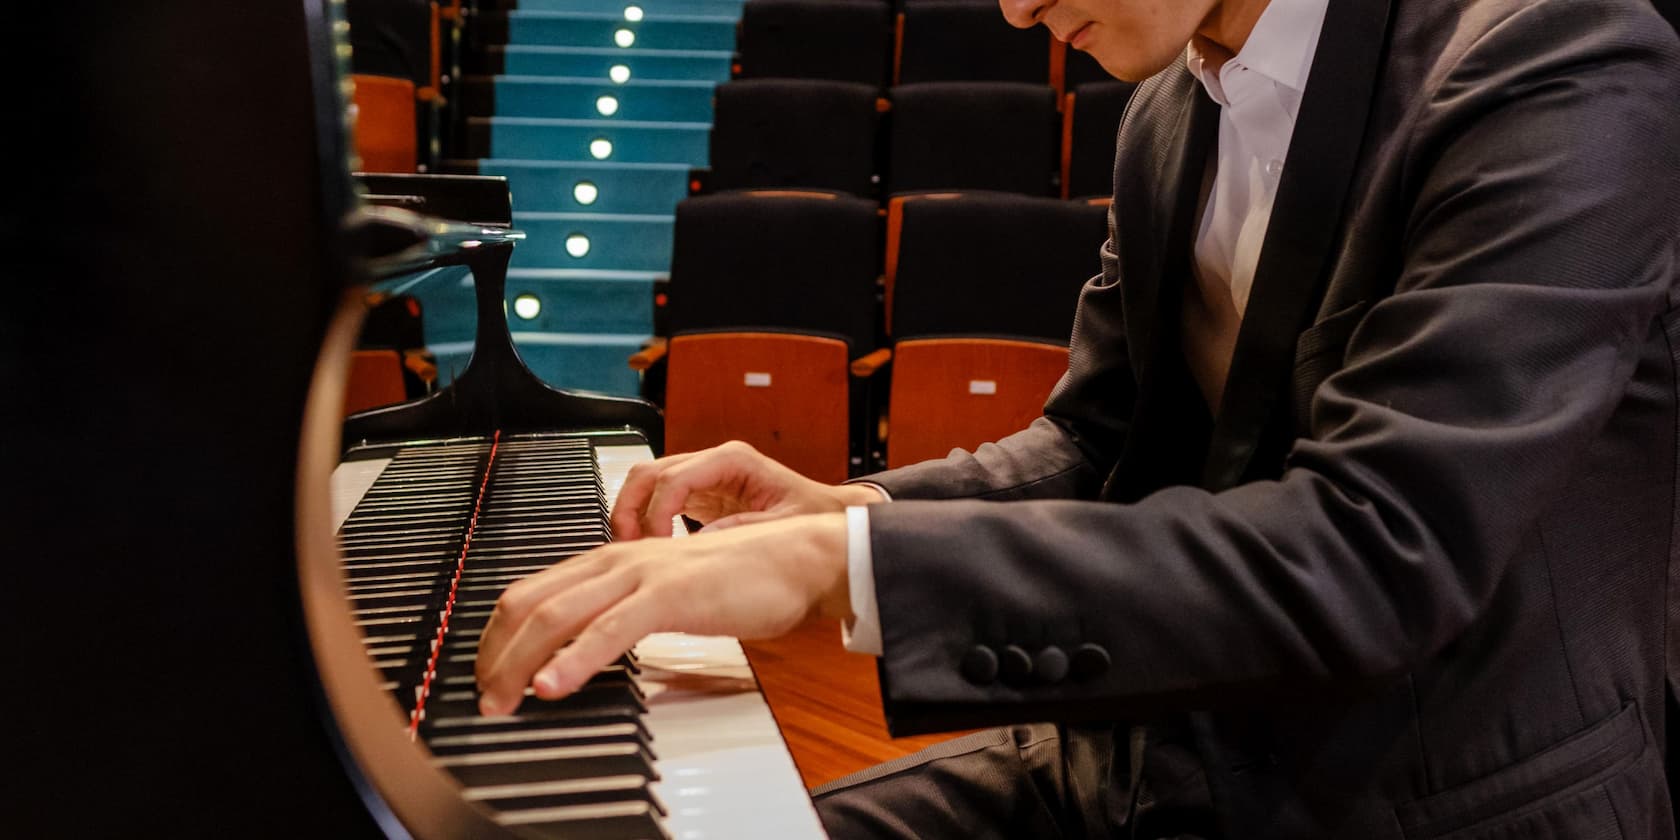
x: 726, y: 772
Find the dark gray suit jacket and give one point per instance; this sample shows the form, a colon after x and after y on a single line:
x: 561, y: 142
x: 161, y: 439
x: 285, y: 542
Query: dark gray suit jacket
x: 1414, y: 581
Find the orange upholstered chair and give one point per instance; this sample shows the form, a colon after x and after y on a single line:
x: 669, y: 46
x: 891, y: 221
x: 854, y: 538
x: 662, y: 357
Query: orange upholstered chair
x: 984, y: 290
x: 376, y: 379
x: 771, y: 302
x: 385, y: 124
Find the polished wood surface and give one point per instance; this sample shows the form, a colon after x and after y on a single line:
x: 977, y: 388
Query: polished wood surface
x: 827, y: 702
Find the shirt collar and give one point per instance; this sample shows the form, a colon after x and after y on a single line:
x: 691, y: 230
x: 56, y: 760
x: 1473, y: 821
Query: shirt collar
x: 1280, y: 48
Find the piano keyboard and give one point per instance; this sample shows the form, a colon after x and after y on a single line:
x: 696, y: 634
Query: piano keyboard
x: 672, y: 741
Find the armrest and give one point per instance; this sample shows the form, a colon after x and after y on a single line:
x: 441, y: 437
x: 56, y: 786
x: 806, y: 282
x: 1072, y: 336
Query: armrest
x: 422, y: 365
x: 650, y: 355
x: 866, y: 366
x: 699, y: 180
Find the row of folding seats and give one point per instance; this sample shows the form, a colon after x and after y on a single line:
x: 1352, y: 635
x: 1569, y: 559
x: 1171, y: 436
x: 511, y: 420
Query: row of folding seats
x: 779, y: 335
x: 872, y: 42
x: 931, y: 136
x: 973, y: 301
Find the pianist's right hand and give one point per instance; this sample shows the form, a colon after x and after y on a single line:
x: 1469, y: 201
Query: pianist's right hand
x: 732, y: 484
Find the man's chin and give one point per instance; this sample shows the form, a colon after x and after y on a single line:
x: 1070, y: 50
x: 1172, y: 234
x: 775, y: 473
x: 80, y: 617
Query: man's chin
x: 1132, y: 65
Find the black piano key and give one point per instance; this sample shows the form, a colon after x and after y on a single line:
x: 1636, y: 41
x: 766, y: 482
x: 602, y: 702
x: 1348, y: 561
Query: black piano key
x: 537, y: 737
x: 402, y: 551
x: 616, y: 821
x: 565, y: 792
x: 456, y: 702
x: 525, y: 766
x: 598, y: 716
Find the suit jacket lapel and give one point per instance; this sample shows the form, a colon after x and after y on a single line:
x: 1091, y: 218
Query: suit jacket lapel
x: 1303, y: 229
x: 1157, y: 220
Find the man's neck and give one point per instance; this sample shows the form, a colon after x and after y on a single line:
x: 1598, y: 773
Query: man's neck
x: 1226, y: 29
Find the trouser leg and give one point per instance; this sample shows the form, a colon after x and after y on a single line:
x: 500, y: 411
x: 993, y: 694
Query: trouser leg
x: 1029, y: 781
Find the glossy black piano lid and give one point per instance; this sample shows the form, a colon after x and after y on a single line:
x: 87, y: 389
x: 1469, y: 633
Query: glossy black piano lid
x: 171, y: 261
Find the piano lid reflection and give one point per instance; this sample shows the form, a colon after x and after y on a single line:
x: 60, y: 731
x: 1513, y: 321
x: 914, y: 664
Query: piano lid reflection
x: 196, y: 229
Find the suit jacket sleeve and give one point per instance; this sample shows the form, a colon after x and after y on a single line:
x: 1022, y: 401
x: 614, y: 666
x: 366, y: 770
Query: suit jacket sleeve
x: 1069, y: 451
x: 1539, y: 255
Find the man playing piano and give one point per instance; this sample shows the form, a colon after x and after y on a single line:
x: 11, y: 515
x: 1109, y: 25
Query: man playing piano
x: 1352, y: 515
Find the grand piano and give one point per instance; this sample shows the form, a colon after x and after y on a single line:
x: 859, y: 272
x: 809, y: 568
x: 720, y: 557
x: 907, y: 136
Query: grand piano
x: 232, y: 614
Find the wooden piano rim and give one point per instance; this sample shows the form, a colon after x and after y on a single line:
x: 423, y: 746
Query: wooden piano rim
x: 404, y: 793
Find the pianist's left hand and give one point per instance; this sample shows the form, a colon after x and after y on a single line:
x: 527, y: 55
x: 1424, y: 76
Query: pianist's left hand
x: 752, y: 582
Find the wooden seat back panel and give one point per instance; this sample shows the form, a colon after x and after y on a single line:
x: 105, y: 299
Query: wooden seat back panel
x: 785, y: 394
x: 376, y: 379
x: 385, y: 124
x: 957, y: 393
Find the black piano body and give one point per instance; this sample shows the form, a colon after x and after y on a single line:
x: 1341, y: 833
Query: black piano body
x: 183, y: 247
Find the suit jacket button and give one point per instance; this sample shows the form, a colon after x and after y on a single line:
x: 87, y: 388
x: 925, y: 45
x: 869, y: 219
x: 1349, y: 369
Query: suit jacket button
x: 1089, y: 661
x: 1015, y: 665
x: 1051, y: 664
x: 979, y: 665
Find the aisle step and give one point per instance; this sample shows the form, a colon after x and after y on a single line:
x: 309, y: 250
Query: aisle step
x: 553, y: 186
x: 595, y: 119
x: 591, y: 29
x: 584, y: 98
x: 598, y: 62
x: 542, y: 138
x: 584, y: 301
x: 572, y: 301
x: 589, y: 323
x: 613, y: 241
x: 583, y: 362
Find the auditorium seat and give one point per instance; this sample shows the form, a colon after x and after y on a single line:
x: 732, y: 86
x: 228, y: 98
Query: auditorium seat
x: 386, y: 134
x: 839, y: 40
x: 985, y: 290
x: 973, y: 136
x: 772, y: 294
x: 396, y: 323
x: 394, y: 41
x: 376, y: 379
x: 392, y: 38
x: 1090, y: 121
x: 966, y: 40
x: 795, y: 133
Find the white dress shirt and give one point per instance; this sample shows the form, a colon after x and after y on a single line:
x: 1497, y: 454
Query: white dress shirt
x: 1259, y: 94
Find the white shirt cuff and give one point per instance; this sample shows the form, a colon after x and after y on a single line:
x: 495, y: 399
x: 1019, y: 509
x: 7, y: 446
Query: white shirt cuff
x: 863, y: 634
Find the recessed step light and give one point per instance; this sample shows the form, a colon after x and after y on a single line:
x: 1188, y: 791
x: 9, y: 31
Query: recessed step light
x: 527, y: 306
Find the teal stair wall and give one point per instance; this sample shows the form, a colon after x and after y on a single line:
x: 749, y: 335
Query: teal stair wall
x: 572, y: 79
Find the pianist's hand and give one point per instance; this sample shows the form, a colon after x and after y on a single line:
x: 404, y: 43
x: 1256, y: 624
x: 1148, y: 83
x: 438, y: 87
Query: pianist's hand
x: 753, y: 582
x: 732, y: 484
